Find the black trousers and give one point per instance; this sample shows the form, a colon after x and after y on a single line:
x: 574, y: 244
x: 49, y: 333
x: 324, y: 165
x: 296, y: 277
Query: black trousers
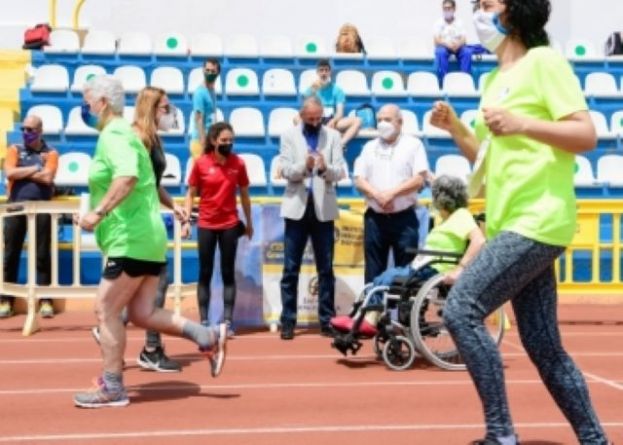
x: 15, y: 228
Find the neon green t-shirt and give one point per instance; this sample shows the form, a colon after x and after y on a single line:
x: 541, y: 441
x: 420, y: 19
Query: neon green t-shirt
x: 529, y: 184
x: 451, y: 236
x: 134, y: 228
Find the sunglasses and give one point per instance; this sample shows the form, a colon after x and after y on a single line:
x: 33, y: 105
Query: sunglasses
x: 29, y: 129
x: 166, y: 108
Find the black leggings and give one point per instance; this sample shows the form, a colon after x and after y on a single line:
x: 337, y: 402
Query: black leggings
x: 227, y: 240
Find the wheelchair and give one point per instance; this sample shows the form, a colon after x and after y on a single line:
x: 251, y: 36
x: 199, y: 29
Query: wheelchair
x: 411, y: 322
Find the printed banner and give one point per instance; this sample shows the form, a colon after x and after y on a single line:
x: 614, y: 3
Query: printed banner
x: 348, y: 267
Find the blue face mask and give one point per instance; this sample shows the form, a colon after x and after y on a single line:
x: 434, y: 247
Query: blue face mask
x: 90, y: 119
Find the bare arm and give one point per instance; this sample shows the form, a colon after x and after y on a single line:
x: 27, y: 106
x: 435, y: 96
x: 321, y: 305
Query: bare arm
x: 17, y: 173
x: 119, y: 189
x: 200, y: 127
x: 443, y: 116
x: 413, y: 184
x: 245, y: 200
x: 574, y: 133
x: 44, y: 177
x: 476, y: 241
x: 365, y: 187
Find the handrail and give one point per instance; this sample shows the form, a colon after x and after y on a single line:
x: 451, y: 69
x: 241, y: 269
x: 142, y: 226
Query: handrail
x: 32, y: 292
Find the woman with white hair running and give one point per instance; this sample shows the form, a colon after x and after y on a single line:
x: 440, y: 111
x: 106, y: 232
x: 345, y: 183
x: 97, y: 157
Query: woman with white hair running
x: 125, y: 215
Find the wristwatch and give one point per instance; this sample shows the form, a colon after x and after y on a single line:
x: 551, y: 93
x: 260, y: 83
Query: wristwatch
x: 99, y: 211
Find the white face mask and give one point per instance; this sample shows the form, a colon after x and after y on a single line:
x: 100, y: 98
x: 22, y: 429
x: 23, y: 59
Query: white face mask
x: 490, y: 31
x: 386, y: 130
x: 168, y: 122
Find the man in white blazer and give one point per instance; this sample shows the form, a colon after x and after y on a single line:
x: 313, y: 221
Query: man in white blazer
x: 311, y: 160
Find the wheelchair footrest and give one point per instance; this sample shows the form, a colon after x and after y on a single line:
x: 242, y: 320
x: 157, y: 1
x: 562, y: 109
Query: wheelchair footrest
x: 346, y: 343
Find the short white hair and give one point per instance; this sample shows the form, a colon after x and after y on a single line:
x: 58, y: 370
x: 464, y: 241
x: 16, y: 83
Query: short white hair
x: 108, y: 87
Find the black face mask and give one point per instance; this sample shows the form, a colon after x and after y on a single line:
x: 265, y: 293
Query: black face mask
x: 225, y: 149
x: 311, y: 129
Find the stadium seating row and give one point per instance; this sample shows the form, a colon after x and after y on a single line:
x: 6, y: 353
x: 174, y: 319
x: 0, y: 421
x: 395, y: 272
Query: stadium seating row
x: 74, y: 167
x: 249, y: 122
x: 54, y: 78
x: 100, y: 43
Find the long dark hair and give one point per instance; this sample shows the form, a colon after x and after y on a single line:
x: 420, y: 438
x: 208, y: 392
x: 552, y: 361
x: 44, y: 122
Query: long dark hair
x: 526, y: 19
x: 214, y: 132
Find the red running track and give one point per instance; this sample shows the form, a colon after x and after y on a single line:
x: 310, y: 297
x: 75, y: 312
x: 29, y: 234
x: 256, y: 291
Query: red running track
x: 300, y: 392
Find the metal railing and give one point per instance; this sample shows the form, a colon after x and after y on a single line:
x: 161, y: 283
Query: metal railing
x: 32, y: 292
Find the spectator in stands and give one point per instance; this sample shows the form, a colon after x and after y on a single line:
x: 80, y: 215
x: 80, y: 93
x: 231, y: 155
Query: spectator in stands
x: 30, y: 169
x: 349, y: 40
x: 450, y: 37
x: 333, y: 101
x: 390, y: 171
x: 457, y: 233
x: 153, y: 112
x: 533, y: 120
x: 125, y: 215
x: 216, y: 177
x: 311, y: 161
x: 204, y: 107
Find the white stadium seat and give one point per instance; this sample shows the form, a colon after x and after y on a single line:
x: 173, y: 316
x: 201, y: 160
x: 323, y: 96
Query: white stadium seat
x: 51, y: 118
x: 459, y: 84
x: 278, y: 82
x: 601, y: 125
x: 84, y: 73
x: 310, y: 47
x: 584, y: 176
x: 241, y: 46
x: 423, y: 84
x: 275, y: 176
x: 132, y: 78
x: 578, y: 50
x: 468, y: 117
x: 135, y: 44
x: 76, y: 126
x: 73, y: 169
x: 172, y: 175
x: 381, y: 48
x: 63, y: 41
x: 50, y: 78
x: 169, y: 78
x: 171, y: 45
x: 255, y: 169
x: 276, y: 47
x: 280, y: 120
x: 410, y: 123
x: 601, y: 85
x: 241, y: 82
x: 609, y: 168
x: 101, y: 43
x: 128, y: 113
x: 306, y: 78
x: 206, y: 45
x: 453, y: 165
x: 353, y: 83
x: 388, y: 84
x: 616, y: 123
x: 247, y: 122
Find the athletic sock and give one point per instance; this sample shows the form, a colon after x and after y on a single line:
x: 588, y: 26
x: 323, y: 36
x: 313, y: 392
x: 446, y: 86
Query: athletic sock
x: 508, y: 440
x: 204, y: 336
x: 113, y: 381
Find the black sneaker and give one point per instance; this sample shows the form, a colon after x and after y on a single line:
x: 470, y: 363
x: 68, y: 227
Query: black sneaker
x: 327, y: 331
x: 287, y: 332
x: 157, y: 361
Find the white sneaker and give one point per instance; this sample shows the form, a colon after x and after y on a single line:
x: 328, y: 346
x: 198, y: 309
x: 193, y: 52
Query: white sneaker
x: 217, y: 353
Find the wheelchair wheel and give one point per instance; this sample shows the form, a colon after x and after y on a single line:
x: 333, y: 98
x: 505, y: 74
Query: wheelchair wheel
x: 398, y: 353
x: 430, y: 335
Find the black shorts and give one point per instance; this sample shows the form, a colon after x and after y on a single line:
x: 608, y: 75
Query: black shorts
x: 132, y: 267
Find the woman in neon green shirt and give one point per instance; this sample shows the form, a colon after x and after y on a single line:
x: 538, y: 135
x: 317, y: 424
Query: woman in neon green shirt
x: 125, y: 215
x: 532, y: 121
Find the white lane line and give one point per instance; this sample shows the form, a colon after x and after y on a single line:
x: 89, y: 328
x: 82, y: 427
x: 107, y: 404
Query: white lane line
x: 243, y: 337
x: 263, y: 386
x: 608, y: 382
x: 285, y: 430
x: 255, y: 358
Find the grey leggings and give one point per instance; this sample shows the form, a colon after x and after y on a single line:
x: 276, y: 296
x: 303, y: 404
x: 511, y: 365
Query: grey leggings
x: 512, y: 267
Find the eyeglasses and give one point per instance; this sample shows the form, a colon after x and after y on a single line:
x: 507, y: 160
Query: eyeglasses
x: 166, y: 108
x: 29, y: 129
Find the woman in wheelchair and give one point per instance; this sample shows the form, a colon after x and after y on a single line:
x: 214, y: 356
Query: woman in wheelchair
x: 457, y: 237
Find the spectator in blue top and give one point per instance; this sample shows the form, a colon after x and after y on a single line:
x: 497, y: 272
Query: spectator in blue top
x: 333, y: 101
x: 204, y: 107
